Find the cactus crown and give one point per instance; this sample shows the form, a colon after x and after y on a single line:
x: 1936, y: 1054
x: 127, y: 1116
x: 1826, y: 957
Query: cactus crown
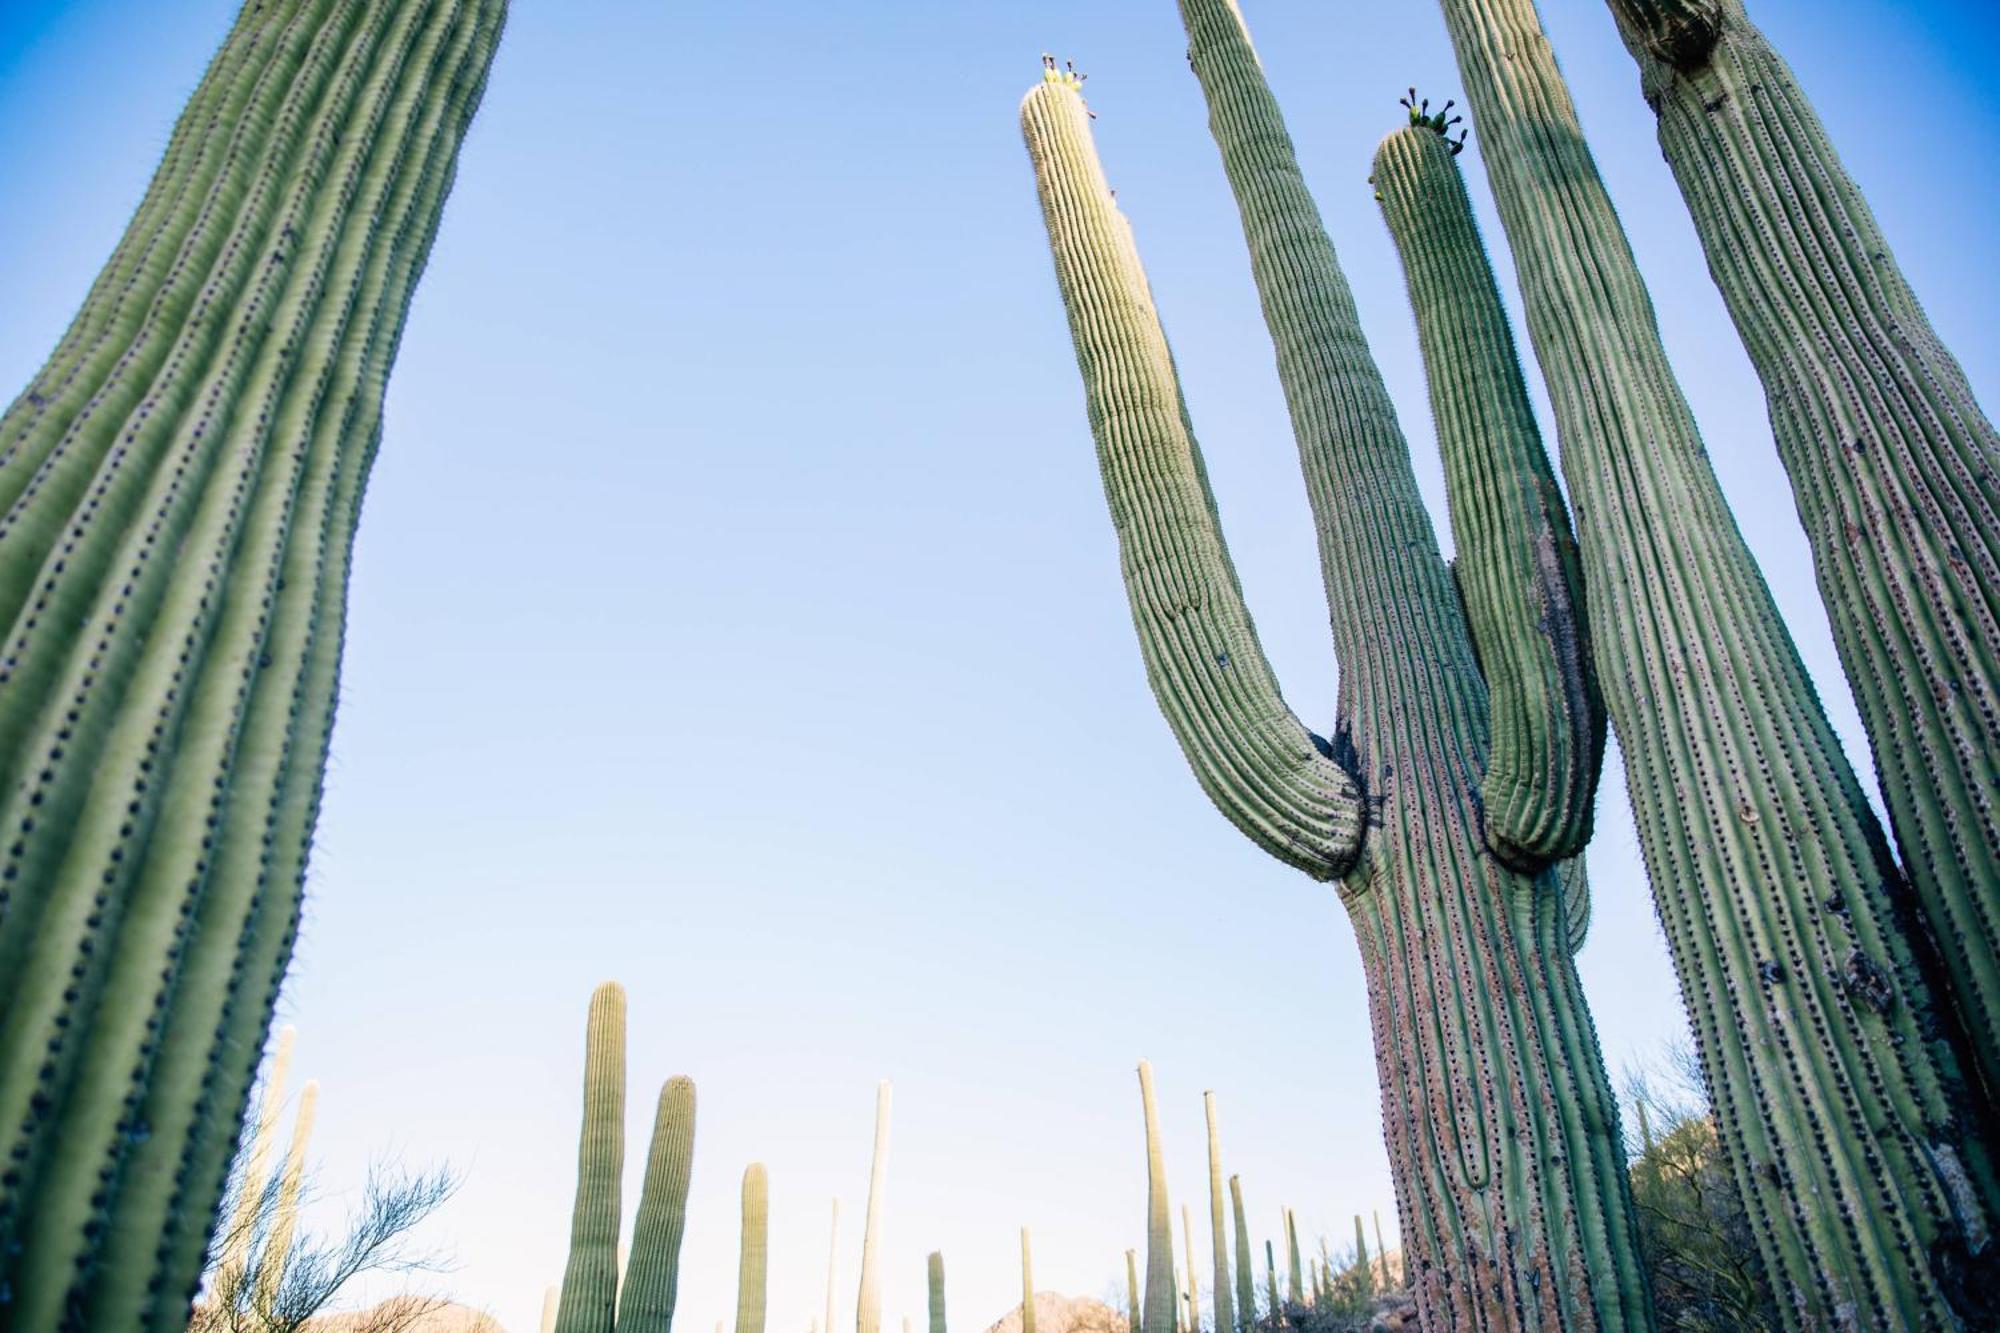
x: 1064, y: 73
x: 1420, y: 114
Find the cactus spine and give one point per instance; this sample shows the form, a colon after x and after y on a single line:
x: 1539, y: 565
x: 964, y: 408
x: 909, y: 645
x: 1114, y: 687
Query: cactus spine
x: 1225, y: 1305
x: 1027, y: 1286
x: 593, y: 1300
x: 754, y: 1250
x: 1895, y: 467
x: 936, y: 1266
x: 163, y: 720
x: 1246, y: 1282
x: 1463, y: 1100
x: 1162, y: 1308
x: 1775, y: 887
x: 868, y: 1309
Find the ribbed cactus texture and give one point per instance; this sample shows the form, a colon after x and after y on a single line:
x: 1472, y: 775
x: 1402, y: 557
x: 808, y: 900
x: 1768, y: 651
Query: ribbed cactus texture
x: 651, y: 1283
x: 178, y: 492
x: 936, y: 1269
x: 1027, y: 1285
x: 1294, y: 1270
x: 1782, y: 906
x: 1225, y: 1300
x: 1161, y: 1308
x: 1500, y: 1122
x: 868, y: 1309
x: 590, y: 1280
x: 1246, y: 1282
x: 1895, y: 467
x: 1193, y: 1283
x: 754, y: 1250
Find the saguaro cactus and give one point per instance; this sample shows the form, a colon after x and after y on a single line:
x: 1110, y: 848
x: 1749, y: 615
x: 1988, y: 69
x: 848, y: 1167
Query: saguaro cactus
x: 1364, y: 1272
x: 753, y: 1251
x: 1133, y: 1319
x: 868, y: 1309
x: 235, y: 1249
x: 1785, y: 913
x: 1246, y: 1283
x: 593, y: 1300
x: 271, y: 1262
x: 1027, y: 1286
x: 1271, y: 1282
x: 937, y: 1291
x: 1225, y: 1304
x: 1410, y: 742
x: 1294, y: 1270
x: 178, y: 493
x: 1193, y: 1283
x: 1895, y: 468
x: 1162, y: 1307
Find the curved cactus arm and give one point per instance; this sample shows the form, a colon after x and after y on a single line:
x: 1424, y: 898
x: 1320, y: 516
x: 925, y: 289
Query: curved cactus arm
x: 1519, y: 576
x: 590, y: 1282
x: 1225, y: 1299
x: 1283, y: 786
x: 935, y: 1267
x: 651, y: 1283
x: 754, y: 1252
x: 1162, y: 1305
x: 1894, y: 465
x: 1821, y: 1048
x: 1246, y: 1281
x: 868, y: 1308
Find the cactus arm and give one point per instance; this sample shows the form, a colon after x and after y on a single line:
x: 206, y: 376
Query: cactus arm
x: 868, y: 1309
x: 1274, y: 779
x: 1894, y: 465
x: 1517, y: 566
x: 1246, y: 1281
x: 1774, y: 883
x: 1162, y: 1307
x: 1027, y: 1285
x: 1573, y: 882
x: 754, y: 1251
x: 590, y: 1281
x: 935, y: 1266
x: 651, y: 1284
x: 1225, y: 1303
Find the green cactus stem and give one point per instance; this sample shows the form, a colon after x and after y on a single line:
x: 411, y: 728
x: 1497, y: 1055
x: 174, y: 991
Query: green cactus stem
x: 1162, y: 1307
x: 1364, y: 1271
x: 1382, y: 1251
x: 936, y: 1267
x: 1271, y: 1282
x: 1294, y: 1270
x: 1134, y: 1320
x: 1027, y: 1285
x: 1225, y: 1303
x: 590, y: 1280
x: 164, y: 720
x: 868, y: 1308
x: 1483, y: 1054
x: 754, y: 1250
x: 651, y: 1284
x: 1246, y: 1282
x: 1895, y: 467
x: 1835, y: 1094
x: 1193, y: 1285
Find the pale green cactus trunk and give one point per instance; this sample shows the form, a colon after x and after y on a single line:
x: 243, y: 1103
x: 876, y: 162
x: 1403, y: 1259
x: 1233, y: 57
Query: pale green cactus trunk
x: 1193, y: 1287
x: 936, y: 1267
x: 1895, y: 468
x: 1027, y: 1285
x: 1516, y: 1202
x: 1271, y: 1281
x: 1836, y: 1101
x: 178, y: 492
x: 1246, y: 1282
x: 1225, y: 1303
x: 1133, y: 1319
x: 1162, y: 1306
x: 753, y: 1250
x: 1364, y: 1272
x: 593, y: 1298
x: 1294, y: 1268
x: 868, y: 1308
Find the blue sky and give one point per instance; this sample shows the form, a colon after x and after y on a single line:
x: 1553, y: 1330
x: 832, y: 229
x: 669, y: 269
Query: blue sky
x: 736, y: 615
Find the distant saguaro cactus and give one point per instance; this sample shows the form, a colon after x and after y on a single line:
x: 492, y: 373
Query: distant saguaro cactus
x: 1193, y: 1283
x: 753, y: 1251
x: 1027, y: 1285
x: 1294, y: 1268
x: 1246, y: 1282
x: 868, y: 1308
x: 1225, y: 1302
x: 593, y: 1299
x: 1134, y: 1321
x: 1388, y: 805
x: 1837, y: 1098
x: 1162, y: 1305
x: 936, y: 1270
x: 1894, y: 465
x: 179, y: 488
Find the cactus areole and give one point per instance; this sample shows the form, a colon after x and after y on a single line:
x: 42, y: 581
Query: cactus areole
x: 179, y: 489
x: 1500, y: 1123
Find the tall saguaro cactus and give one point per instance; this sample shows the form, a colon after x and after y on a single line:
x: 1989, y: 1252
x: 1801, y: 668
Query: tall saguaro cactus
x: 1193, y: 1281
x: 1246, y: 1281
x: 1895, y: 467
x: 1501, y: 1126
x: 754, y: 1250
x: 936, y: 1273
x: 1134, y: 1321
x: 1784, y: 910
x: 1162, y: 1305
x: 868, y: 1308
x: 1225, y: 1302
x: 179, y: 488
x: 1027, y: 1285
x: 593, y: 1299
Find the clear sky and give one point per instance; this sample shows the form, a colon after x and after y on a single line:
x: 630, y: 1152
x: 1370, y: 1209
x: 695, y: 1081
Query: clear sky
x: 736, y: 614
